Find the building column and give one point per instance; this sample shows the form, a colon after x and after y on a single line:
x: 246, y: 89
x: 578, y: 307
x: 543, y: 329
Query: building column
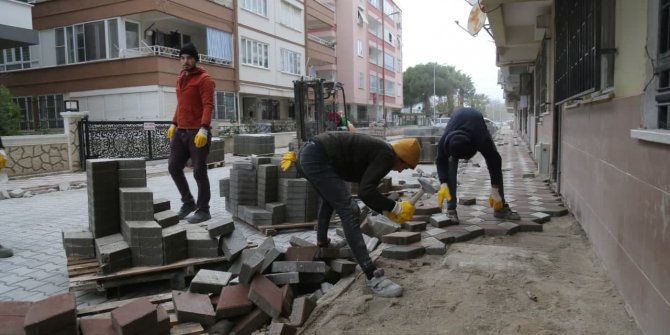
x: 71, y: 119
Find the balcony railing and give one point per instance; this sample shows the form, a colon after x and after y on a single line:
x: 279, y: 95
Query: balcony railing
x: 330, y: 44
x: 159, y: 50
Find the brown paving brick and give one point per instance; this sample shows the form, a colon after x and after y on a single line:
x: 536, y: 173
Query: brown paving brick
x: 421, y: 218
x: 134, y: 317
x: 426, y: 209
x: 96, y: 326
x: 401, y: 237
x: 251, y: 322
x: 287, y: 300
x: 467, y: 201
x: 446, y: 237
x: 302, y: 308
x: 234, y: 301
x: 525, y: 225
x: 162, y: 322
x: 55, y: 312
x: 11, y: 324
x: 15, y: 308
x: 266, y: 295
x: 193, y: 307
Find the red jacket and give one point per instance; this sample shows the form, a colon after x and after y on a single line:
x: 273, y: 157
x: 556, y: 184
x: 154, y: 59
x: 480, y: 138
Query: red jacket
x: 195, y: 99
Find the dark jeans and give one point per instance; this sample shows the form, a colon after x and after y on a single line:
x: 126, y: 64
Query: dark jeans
x: 315, y: 166
x: 182, y: 147
x: 452, y: 182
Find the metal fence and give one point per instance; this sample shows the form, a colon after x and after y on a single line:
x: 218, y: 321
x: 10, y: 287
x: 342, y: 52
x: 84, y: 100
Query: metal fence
x: 123, y: 139
x: 277, y: 126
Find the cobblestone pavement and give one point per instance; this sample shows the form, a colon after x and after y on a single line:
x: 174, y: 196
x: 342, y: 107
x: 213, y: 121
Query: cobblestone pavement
x: 32, y: 226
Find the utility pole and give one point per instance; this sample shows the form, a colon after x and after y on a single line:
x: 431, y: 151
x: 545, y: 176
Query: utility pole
x: 434, y: 104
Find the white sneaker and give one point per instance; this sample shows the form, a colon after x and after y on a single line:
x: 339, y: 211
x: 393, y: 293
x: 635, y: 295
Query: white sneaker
x: 382, y: 286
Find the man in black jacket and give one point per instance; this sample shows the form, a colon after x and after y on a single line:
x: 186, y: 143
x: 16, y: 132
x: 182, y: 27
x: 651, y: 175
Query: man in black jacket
x: 330, y: 159
x: 465, y: 134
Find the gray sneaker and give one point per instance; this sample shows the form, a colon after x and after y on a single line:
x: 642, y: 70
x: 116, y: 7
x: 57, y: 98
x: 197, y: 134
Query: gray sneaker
x: 506, y: 213
x: 382, y: 286
x: 200, y: 215
x: 453, y: 216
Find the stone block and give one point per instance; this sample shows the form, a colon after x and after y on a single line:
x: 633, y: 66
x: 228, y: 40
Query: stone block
x: 234, y: 301
x: 79, y: 244
x: 295, y: 253
x: 161, y: 205
x: 209, y: 281
x: 193, y: 307
x: 134, y: 317
x: 302, y: 308
x: 467, y: 201
x: 12, y: 315
x: 342, y: 266
x: 540, y: 217
x: 441, y: 220
x: 299, y: 242
x: 434, y: 246
x: 251, y: 264
x: 53, y: 313
x: 401, y: 237
x: 404, y: 251
x: 284, y: 278
x: 251, y: 322
x: 233, y: 244
x: 96, y: 326
x: 427, y: 210
x: 414, y: 226
x: 381, y: 225
x: 293, y: 266
x: 219, y: 228
x: 266, y: 295
x: 277, y: 328
x: 166, y: 218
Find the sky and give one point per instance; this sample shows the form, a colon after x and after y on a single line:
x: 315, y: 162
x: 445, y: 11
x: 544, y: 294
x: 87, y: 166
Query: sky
x: 429, y: 34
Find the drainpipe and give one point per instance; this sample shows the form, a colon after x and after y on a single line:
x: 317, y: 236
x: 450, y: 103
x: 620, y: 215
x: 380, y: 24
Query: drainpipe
x: 236, y: 61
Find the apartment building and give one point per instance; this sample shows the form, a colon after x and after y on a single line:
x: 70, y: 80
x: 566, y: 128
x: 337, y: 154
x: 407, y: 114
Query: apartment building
x: 16, y: 29
x: 588, y: 82
x: 369, y: 35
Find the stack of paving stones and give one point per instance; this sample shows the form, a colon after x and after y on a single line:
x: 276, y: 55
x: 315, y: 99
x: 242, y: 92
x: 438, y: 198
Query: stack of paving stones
x: 262, y: 289
x: 216, y: 151
x: 428, y: 148
x: 253, y: 144
x: 131, y: 228
x: 260, y: 194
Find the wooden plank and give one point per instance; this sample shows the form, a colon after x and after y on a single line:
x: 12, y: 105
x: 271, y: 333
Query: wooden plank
x: 108, y: 306
x: 140, y: 270
x: 186, y: 329
x: 79, y: 260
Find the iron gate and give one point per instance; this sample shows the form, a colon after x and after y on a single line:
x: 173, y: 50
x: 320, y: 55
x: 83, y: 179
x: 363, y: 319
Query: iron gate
x: 123, y: 139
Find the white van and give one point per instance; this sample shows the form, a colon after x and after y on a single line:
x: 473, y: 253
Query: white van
x: 441, y: 122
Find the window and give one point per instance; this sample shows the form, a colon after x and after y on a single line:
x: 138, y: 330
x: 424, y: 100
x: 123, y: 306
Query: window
x: 290, y: 62
x: 269, y: 109
x: 389, y: 90
x: 374, y: 27
x: 584, y: 47
x: 254, y: 53
x: 362, y: 19
x: 375, y: 3
x: 389, y: 61
x: 132, y: 35
x: 291, y: 16
x: 259, y: 7
x: 93, y: 41
x: 663, y: 67
x: 225, y: 106
x: 48, y: 112
x: 374, y: 84
x: 15, y: 59
x: 374, y: 56
x: 220, y: 44
x: 359, y: 48
x: 361, y: 80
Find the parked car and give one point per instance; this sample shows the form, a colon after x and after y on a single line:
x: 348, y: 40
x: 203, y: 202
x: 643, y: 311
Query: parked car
x: 490, y: 125
x: 441, y: 122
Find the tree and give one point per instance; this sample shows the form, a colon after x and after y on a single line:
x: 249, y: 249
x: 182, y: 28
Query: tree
x: 479, y: 102
x: 448, y: 83
x: 10, y: 113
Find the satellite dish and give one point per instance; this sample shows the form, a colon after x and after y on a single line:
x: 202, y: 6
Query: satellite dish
x: 477, y: 19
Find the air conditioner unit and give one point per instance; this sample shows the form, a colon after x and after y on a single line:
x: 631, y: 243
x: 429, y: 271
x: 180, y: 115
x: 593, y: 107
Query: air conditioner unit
x: 542, y: 157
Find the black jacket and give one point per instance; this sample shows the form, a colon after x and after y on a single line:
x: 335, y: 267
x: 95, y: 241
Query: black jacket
x: 362, y: 159
x: 470, y: 122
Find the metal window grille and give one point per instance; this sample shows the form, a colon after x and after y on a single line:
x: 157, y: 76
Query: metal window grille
x: 577, y: 48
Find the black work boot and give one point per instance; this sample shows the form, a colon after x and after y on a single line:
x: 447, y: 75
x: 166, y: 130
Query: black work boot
x: 506, y: 213
x: 185, y: 210
x: 199, y: 216
x: 5, y: 252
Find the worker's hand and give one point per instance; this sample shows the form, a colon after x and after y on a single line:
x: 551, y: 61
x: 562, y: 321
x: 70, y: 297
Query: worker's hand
x: 171, y: 130
x: 287, y: 160
x: 201, y: 138
x: 3, y: 159
x: 442, y: 194
x: 495, y: 200
x: 402, y: 212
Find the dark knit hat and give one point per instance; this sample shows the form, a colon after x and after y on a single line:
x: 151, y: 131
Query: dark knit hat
x: 461, y: 147
x: 189, y: 49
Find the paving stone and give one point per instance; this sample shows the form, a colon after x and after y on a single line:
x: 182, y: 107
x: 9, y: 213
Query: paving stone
x: 287, y: 300
x: 209, y: 281
x: 381, y: 225
x: 404, y: 251
x: 401, y: 238
x: 53, y: 313
x: 251, y: 322
x: 12, y: 314
x: 161, y: 205
x: 294, y: 266
x: 302, y: 308
x: 218, y: 228
x: 233, y: 244
x: 434, y: 246
x: 296, y: 253
x: 266, y: 295
x: 251, y: 264
x: 166, y: 218
x: 284, y: 278
x: 193, y: 307
x: 425, y: 209
x: 467, y: 201
x: 299, y: 242
x: 134, y: 317
x: 525, y: 226
x: 342, y: 266
x: 540, y: 217
x: 277, y: 328
x: 79, y: 244
x: 555, y: 211
x: 96, y: 326
x: 414, y: 226
x: 234, y: 301
x: 440, y: 220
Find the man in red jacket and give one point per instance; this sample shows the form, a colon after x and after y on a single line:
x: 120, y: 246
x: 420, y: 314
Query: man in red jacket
x: 189, y: 134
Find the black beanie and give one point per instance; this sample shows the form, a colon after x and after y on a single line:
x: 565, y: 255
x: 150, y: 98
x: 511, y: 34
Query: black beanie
x: 460, y: 147
x: 189, y: 49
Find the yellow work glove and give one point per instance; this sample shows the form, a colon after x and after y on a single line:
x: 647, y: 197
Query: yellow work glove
x: 495, y: 200
x: 3, y: 159
x: 171, y: 131
x: 442, y: 194
x: 402, y: 212
x: 287, y: 160
x: 201, y: 138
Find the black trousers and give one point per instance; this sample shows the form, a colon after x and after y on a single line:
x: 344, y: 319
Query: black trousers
x: 182, y: 147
